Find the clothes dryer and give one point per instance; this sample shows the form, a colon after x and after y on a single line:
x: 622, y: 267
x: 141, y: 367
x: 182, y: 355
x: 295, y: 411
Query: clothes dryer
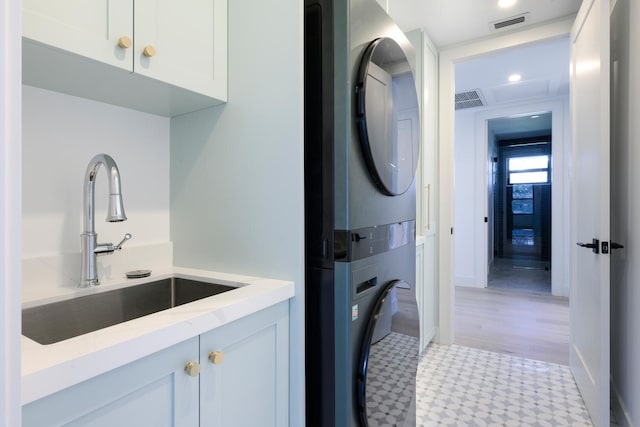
x: 361, y: 151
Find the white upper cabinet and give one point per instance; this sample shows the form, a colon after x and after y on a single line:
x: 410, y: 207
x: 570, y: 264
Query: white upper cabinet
x: 159, y: 56
x: 88, y: 28
x: 185, y: 41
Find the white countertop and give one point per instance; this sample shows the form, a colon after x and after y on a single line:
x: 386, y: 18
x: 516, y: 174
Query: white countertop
x: 47, y: 369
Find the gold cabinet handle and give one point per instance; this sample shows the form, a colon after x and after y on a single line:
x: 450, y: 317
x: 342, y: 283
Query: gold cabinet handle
x: 216, y: 357
x: 192, y: 369
x: 124, y: 42
x: 149, y: 51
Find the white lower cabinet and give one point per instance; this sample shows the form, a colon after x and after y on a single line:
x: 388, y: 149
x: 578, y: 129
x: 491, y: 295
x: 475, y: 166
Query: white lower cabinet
x: 153, y: 391
x: 426, y: 290
x: 249, y: 385
x: 430, y: 291
x: 243, y: 381
x: 420, y: 291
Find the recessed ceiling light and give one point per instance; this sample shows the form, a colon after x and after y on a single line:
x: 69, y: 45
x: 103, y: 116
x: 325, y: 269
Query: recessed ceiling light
x: 506, y: 3
x: 513, y: 78
x: 535, y: 117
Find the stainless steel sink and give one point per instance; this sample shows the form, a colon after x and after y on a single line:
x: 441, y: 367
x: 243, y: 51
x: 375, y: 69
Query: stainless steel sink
x: 50, y: 323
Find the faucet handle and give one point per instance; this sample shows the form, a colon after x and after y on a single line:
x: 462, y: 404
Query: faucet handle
x: 108, y: 248
x: 119, y: 245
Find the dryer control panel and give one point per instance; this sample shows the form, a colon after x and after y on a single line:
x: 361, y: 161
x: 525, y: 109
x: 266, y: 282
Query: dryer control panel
x: 352, y: 245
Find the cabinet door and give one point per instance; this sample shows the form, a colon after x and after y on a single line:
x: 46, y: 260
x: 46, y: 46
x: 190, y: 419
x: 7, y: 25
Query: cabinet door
x: 153, y: 391
x: 188, y: 42
x: 430, y: 290
x: 420, y: 291
x: 250, y: 386
x: 87, y: 28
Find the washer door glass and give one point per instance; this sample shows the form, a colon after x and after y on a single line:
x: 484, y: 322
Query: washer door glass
x: 388, y: 116
x: 386, y: 377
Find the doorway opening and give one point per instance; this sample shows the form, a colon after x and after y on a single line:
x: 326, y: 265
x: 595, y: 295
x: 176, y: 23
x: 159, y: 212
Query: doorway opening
x: 507, y: 153
x: 515, y: 311
x: 520, y: 257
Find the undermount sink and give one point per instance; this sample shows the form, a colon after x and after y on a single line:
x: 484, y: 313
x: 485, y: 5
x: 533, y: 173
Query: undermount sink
x: 51, y: 323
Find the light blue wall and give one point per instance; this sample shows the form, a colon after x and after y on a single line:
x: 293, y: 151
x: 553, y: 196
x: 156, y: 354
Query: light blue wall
x: 465, y: 208
x: 72, y: 130
x: 237, y: 201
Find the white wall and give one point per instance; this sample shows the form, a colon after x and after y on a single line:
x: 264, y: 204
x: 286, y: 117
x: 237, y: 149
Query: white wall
x: 237, y: 201
x: 625, y: 205
x: 10, y: 235
x: 61, y: 134
x: 466, y: 220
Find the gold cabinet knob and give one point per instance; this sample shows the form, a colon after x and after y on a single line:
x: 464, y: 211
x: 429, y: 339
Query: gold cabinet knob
x: 216, y: 357
x: 124, y: 42
x: 149, y: 51
x: 192, y: 369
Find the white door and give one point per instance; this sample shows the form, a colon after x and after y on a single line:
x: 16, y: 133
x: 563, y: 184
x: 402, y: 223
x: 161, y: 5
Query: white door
x: 589, y: 341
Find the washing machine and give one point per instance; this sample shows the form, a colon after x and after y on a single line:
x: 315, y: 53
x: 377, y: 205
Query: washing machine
x: 361, y: 152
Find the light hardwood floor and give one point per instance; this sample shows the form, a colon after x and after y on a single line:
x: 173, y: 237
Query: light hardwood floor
x: 523, y: 324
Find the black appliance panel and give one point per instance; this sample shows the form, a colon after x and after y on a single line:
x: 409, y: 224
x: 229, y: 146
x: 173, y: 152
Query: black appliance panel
x: 352, y: 245
x: 319, y: 217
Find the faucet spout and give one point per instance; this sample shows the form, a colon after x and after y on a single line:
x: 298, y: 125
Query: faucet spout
x: 115, y: 213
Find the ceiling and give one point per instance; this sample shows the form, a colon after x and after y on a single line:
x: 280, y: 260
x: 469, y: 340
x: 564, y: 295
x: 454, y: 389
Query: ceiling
x: 544, y: 67
x: 522, y: 126
x: 450, y: 22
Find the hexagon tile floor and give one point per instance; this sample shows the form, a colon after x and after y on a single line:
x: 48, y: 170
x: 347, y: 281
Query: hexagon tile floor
x: 463, y: 386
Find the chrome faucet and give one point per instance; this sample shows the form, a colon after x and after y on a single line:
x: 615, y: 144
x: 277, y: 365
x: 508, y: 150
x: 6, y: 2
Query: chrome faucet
x: 90, y: 247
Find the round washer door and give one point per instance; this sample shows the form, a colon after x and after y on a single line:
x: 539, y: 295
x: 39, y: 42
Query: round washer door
x: 388, y: 116
x: 386, y: 376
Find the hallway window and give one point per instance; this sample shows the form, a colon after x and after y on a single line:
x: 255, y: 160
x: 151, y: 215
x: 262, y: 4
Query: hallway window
x: 529, y: 170
x: 522, y: 237
x: 522, y: 207
x: 522, y: 203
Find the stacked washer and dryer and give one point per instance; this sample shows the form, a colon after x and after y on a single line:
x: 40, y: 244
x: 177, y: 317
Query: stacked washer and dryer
x: 361, y: 152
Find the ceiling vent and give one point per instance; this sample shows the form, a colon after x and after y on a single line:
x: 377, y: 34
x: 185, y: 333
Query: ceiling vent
x: 469, y: 99
x: 509, y: 22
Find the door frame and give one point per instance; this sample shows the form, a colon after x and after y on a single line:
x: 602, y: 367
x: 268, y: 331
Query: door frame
x: 10, y: 209
x: 446, y: 113
x: 560, y: 151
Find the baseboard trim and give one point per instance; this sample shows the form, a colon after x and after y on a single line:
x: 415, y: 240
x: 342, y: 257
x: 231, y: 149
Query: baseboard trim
x: 619, y: 410
x: 468, y: 282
